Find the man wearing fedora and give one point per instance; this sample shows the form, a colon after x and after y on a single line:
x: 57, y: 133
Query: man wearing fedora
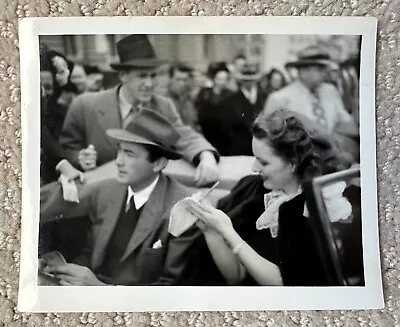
x: 129, y: 243
x: 239, y: 111
x: 311, y: 96
x: 90, y: 115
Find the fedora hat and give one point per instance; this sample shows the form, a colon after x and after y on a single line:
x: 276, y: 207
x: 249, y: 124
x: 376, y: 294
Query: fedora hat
x: 136, y: 51
x: 312, y: 56
x: 249, y: 72
x: 150, y: 127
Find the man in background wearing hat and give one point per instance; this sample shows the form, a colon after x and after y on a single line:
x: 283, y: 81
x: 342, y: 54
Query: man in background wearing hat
x: 90, y: 115
x: 129, y: 243
x: 239, y: 111
x: 320, y: 101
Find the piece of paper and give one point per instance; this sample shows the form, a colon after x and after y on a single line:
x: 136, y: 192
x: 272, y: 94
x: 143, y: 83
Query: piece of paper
x: 181, y: 219
x: 70, y: 191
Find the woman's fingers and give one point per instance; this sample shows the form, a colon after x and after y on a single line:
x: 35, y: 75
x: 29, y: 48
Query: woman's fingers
x: 66, y: 278
x: 202, y: 218
x: 200, y: 207
x: 65, y: 283
x: 201, y: 225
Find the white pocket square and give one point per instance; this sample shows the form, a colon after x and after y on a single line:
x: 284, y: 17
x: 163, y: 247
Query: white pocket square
x: 157, y: 244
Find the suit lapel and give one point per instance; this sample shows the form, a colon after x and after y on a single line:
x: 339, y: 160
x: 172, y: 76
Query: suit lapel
x: 109, y: 113
x: 149, y: 218
x: 114, y: 197
x: 242, y: 106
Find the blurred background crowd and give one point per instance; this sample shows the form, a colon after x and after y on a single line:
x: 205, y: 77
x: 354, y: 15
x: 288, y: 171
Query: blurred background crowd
x: 218, y: 83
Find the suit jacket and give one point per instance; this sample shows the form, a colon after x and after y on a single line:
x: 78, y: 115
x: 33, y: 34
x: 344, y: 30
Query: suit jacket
x: 186, y: 109
x: 141, y: 264
x: 92, y: 114
x: 237, y: 117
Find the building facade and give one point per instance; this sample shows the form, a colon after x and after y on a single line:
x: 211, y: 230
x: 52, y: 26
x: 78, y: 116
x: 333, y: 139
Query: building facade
x: 196, y: 50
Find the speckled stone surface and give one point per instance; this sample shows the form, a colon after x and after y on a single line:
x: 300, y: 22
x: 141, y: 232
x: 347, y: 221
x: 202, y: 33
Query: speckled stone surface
x: 388, y: 135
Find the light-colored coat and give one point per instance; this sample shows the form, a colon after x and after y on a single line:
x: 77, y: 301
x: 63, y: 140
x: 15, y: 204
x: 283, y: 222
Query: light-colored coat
x: 297, y: 97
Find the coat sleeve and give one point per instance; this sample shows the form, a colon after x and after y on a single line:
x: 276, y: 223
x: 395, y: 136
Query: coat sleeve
x: 273, y: 103
x: 54, y: 207
x: 190, y: 143
x: 73, y: 136
x: 180, y: 250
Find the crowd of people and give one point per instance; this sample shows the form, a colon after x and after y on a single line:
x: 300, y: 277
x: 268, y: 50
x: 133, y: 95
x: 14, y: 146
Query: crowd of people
x: 259, y: 234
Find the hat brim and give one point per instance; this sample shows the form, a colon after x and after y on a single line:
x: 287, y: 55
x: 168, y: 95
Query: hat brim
x: 123, y: 135
x: 318, y: 62
x: 254, y: 77
x: 142, y: 63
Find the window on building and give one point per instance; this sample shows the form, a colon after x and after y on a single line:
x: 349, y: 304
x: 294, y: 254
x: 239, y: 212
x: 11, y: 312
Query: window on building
x: 70, y: 45
x: 73, y: 46
x: 207, y: 46
x: 112, y: 40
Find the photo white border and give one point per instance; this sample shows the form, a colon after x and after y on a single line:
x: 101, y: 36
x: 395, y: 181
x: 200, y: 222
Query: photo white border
x: 35, y: 298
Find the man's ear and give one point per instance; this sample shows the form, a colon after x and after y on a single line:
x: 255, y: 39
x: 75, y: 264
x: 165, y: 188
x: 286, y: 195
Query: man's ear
x: 122, y: 75
x: 160, y: 164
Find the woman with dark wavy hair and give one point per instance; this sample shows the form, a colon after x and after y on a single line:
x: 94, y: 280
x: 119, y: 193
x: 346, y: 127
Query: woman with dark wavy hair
x: 261, y: 233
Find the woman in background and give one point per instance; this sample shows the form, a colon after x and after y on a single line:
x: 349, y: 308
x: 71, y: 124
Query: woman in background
x: 57, y: 92
x: 208, y: 103
x: 272, y: 242
x: 273, y: 81
x: 64, y: 91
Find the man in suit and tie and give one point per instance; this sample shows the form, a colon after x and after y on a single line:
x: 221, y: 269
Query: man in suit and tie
x: 311, y: 96
x: 129, y: 243
x: 90, y: 115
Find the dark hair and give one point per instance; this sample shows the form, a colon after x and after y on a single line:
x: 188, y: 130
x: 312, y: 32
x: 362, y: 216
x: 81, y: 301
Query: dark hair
x: 154, y: 152
x: 46, y: 64
x: 276, y: 71
x: 180, y: 67
x: 239, y: 56
x: 216, y: 67
x: 92, y: 69
x: 300, y: 141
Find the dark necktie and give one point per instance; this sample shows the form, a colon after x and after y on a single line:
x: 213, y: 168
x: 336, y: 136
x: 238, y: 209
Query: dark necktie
x: 119, y: 240
x: 134, y: 110
x: 123, y: 231
x: 318, y: 109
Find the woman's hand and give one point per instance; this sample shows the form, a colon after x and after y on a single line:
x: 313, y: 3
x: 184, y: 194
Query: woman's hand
x: 211, y: 218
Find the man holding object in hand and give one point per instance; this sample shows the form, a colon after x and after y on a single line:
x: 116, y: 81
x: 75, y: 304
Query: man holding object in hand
x: 87, y: 158
x: 90, y: 115
x: 129, y: 243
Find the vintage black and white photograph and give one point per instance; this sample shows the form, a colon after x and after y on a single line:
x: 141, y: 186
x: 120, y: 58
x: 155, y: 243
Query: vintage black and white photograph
x: 205, y: 162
